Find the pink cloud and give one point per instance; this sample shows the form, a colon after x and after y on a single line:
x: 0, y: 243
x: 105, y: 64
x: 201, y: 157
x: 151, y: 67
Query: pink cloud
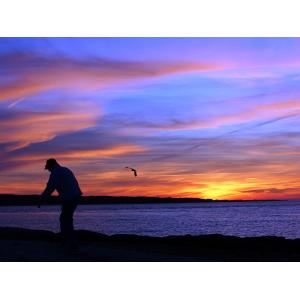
x: 36, y: 74
x: 258, y: 112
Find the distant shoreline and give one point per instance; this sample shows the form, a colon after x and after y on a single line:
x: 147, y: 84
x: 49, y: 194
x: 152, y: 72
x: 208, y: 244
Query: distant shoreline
x: 18, y: 200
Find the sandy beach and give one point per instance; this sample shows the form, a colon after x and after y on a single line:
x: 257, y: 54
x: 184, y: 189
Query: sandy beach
x: 17, y: 244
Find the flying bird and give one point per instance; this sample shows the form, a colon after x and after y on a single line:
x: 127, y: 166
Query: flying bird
x: 133, y: 170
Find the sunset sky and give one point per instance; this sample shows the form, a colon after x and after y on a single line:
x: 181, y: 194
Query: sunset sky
x: 197, y: 117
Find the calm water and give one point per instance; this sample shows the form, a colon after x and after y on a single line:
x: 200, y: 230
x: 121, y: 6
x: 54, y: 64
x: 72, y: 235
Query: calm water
x: 280, y: 218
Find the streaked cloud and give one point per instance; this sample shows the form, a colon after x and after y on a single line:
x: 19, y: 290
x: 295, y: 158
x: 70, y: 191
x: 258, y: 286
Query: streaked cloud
x: 21, y: 128
x: 32, y: 74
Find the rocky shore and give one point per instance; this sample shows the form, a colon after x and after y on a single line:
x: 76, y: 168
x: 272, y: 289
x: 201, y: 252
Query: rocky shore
x: 18, y: 244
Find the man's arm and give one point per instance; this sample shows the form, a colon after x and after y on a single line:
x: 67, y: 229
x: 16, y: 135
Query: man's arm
x: 50, y: 188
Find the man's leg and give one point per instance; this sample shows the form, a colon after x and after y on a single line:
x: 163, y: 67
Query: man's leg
x: 66, y: 221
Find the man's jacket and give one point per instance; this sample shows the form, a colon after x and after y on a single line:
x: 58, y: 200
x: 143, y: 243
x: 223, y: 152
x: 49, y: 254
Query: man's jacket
x: 63, y: 180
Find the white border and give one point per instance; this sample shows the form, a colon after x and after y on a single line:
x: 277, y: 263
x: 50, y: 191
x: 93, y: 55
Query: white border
x: 149, y: 18
x: 149, y: 281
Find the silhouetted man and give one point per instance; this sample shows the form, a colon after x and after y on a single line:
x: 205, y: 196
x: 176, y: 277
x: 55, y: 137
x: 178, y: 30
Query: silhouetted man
x: 64, y: 182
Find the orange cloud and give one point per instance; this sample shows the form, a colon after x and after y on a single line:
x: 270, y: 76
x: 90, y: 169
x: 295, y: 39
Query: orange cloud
x: 218, y: 178
x: 87, y: 153
x: 22, y: 128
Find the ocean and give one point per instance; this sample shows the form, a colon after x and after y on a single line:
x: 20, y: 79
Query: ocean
x: 256, y: 218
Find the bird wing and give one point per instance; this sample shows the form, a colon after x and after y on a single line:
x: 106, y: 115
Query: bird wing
x: 133, y: 170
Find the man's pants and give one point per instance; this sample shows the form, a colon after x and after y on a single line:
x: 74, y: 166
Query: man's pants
x: 66, y: 219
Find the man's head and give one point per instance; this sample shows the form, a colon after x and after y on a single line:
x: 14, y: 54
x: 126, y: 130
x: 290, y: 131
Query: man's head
x: 50, y: 163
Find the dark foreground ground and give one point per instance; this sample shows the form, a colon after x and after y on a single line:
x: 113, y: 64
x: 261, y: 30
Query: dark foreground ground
x: 17, y: 244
